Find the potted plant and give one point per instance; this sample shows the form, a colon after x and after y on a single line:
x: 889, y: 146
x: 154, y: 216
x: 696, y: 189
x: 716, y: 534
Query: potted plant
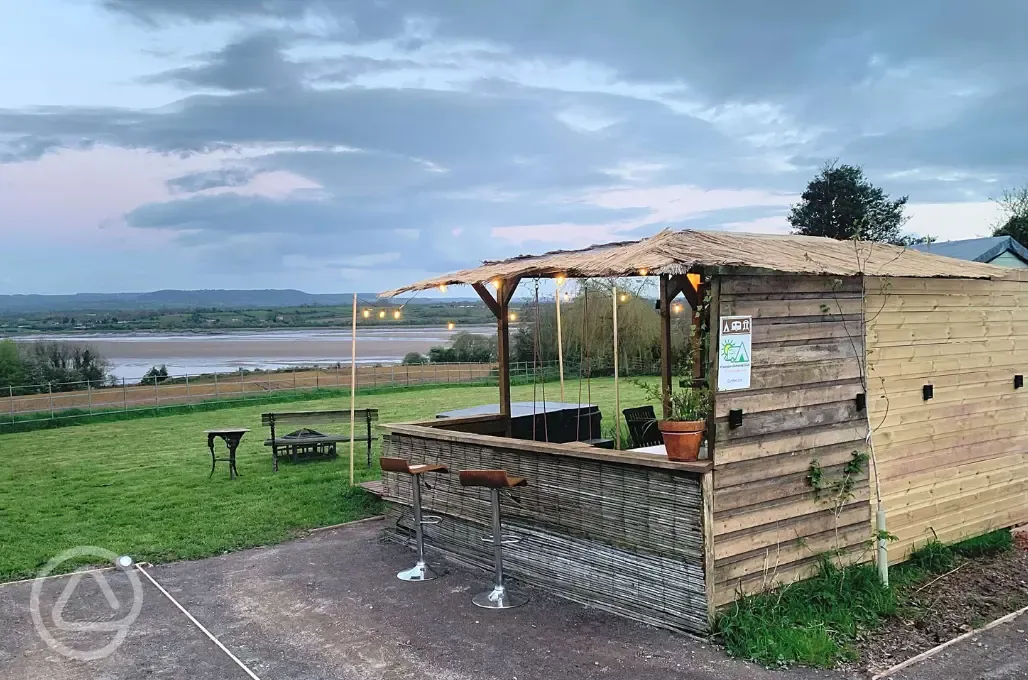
x: 686, y: 423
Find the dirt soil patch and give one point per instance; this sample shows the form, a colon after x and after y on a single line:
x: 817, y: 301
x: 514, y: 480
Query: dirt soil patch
x: 978, y: 591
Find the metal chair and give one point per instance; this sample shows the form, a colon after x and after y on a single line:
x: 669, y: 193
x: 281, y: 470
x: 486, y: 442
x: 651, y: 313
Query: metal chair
x: 496, y: 480
x: 642, y: 426
x: 420, y: 571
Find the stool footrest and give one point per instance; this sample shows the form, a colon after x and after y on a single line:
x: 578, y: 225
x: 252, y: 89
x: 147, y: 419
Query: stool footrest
x: 429, y: 520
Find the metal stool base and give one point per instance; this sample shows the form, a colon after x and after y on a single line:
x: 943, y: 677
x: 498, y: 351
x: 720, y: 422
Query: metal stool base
x: 419, y: 572
x: 499, y: 598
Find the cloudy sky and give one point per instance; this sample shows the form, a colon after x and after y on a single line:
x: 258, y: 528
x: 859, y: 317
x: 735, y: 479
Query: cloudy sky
x: 333, y: 145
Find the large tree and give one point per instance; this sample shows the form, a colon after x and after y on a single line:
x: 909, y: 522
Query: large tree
x: 1015, y: 215
x: 840, y: 203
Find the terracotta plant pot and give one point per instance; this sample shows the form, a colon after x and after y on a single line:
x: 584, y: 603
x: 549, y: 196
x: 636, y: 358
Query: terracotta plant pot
x: 682, y: 438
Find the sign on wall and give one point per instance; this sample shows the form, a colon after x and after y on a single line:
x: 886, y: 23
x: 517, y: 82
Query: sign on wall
x: 734, y: 356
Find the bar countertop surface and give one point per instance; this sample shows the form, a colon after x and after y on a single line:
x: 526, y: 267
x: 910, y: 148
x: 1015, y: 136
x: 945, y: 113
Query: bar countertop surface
x: 571, y: 449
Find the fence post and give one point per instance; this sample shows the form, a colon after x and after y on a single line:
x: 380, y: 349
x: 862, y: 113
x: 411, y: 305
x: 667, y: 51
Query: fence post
x: 392, y: 375
x: 294, y: 378
x: 124, y: 396
x: 216, y: 394
x: 188, y: 400
x: 50, y: 391
x: 89, y: 396
x: 242, y: 385
x: 406, y: 372
x: 156, y: 394
x: 10, y: 390
x: 317, y: 378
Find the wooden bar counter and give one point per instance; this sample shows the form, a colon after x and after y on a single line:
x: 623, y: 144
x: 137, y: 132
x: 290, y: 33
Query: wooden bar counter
x: 617, y: 530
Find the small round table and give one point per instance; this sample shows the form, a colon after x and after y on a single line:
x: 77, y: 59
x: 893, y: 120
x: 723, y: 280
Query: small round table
x: 231, y: 436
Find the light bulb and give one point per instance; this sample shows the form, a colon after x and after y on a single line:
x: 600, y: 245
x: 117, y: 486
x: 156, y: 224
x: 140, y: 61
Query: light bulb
x: 382, y: 314
x: 450, y: 326
x: 513, y: 316
x: 624, y: 298
x: 496, y: 283
x: 442, y: 287
x: 560, y: 279
x: 396, y: 314
x: 676, y: 308
x: 366, y: 313
x: 644, y: 271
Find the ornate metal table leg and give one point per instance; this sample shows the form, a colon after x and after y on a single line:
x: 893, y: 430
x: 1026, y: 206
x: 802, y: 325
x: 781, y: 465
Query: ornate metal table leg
x: 232, y: 443
x: 214, y: 460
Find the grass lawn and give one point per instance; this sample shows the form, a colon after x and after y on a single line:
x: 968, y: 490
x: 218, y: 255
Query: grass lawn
x: 140, y: 487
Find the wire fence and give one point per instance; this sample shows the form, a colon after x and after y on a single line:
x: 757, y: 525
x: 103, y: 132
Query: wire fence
x: 54, y: 401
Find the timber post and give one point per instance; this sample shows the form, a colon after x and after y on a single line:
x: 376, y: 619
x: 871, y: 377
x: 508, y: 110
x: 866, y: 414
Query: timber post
x: 500, y: 306
x: 665, y: 344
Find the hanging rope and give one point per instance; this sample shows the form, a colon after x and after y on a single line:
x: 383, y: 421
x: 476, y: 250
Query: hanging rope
x: 535, y: 360
x: 537, y: 351
x: 581, y: 363
x: 588, y: 364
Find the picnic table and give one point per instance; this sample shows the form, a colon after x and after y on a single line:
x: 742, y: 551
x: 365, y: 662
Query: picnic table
x: 307, y: 443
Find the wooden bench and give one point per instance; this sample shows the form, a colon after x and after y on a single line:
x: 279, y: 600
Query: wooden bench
x: 307, y: 443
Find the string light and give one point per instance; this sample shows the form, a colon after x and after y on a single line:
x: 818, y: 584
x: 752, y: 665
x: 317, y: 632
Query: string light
x: 366, y: 313
x: 513, y: 316
x: 442, y: 287
x: 676, y: 308
x: 560, y: 279
x: 382, y: 314
x: 644, y: 271
x: 450, y: 326
x: 624, y: 298
x: 396, y: 314
x: 496, y: 283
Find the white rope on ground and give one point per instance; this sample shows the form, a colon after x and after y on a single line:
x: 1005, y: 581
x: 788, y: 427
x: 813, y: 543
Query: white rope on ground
x: 53, y: 576
x: 196, y: 623
x: 935, y: 650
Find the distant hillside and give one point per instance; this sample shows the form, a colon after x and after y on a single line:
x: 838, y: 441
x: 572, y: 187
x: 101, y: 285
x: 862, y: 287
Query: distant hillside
x: 179, y: 299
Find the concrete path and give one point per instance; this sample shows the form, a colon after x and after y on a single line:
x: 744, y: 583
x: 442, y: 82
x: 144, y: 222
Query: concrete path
x: 330, y: 606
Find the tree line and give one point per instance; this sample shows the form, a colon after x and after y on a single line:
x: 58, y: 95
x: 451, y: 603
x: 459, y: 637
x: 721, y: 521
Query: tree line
x: 587, y: 326
x: 51, y: 364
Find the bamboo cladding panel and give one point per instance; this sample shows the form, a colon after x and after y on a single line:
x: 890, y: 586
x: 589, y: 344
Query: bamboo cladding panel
x: 801, y: 408
x: 955, y: 465
x: 623, y: 537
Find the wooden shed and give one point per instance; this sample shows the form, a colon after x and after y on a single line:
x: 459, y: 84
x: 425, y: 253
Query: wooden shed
x: 856, y: 352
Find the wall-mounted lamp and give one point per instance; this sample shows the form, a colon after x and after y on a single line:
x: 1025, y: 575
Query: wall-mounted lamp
x: 861, y: 401
x: 734, y: 418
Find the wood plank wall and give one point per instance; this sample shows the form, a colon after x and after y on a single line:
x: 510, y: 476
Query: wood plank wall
x: 807, y: 338
x: 957, y: 465
x: 626, y: 538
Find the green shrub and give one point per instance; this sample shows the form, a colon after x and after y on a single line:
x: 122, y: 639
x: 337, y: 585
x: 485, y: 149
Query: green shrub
x: 812, y: 622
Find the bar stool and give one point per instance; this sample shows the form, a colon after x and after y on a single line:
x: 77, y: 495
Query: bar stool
x: 495, y: 480
x: 420, y: 571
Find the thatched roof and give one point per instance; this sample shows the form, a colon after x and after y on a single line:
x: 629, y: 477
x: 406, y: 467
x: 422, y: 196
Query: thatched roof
x: 677, y: 252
